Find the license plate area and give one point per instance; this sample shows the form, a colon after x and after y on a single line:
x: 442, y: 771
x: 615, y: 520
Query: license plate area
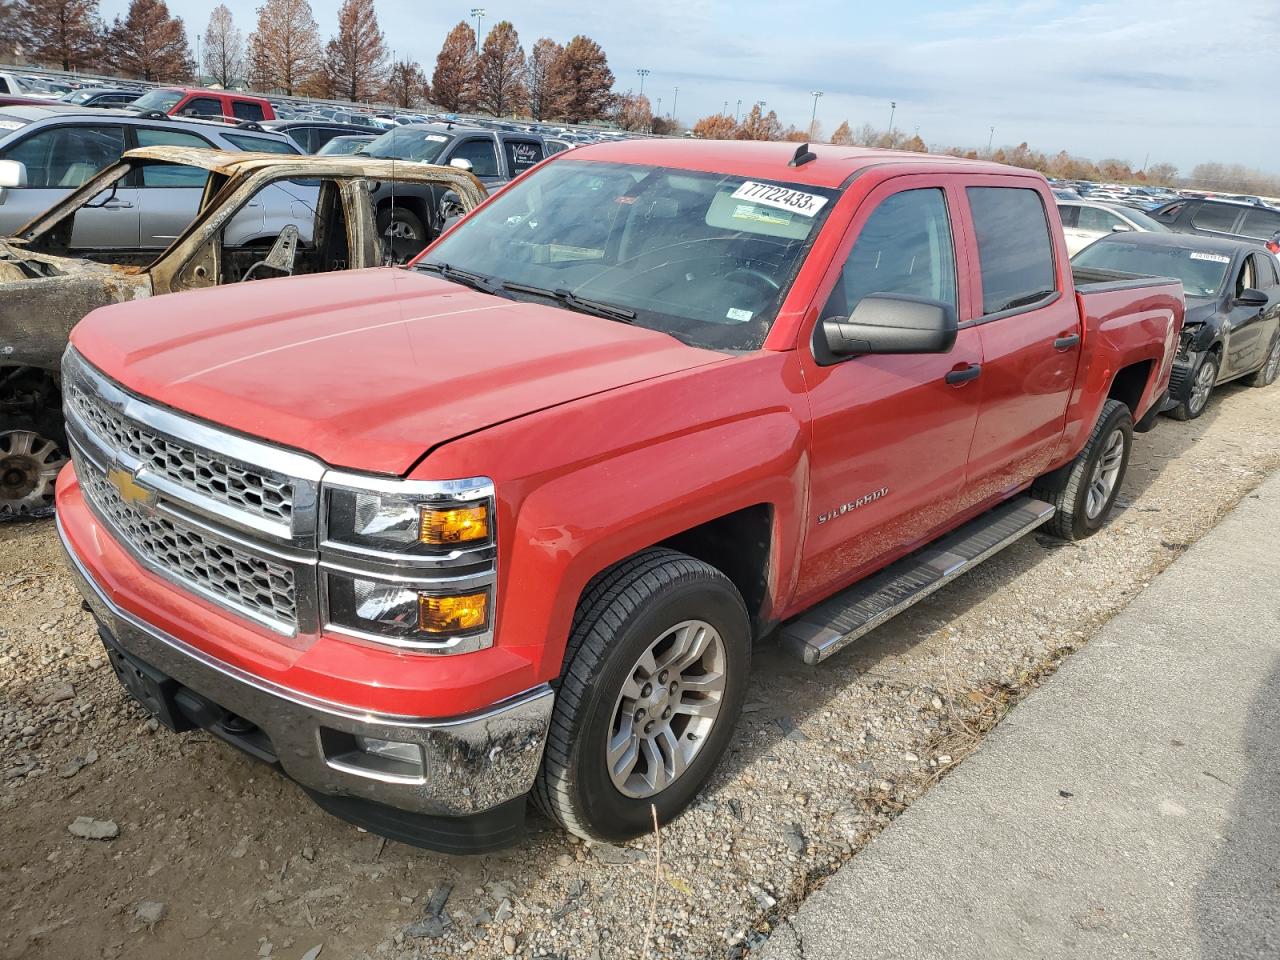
x: 151, y: 688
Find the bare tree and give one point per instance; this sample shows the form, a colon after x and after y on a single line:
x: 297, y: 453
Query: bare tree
x: 284, y: 52
x: 499, y: 81
x: 539, y: 80
x: 64, y: 33
x: 843, y: 135
x: 355, y: 61
x: 407, y: 84
x: 453, y: 83
x: 224, y: 50
x: 150, y: 43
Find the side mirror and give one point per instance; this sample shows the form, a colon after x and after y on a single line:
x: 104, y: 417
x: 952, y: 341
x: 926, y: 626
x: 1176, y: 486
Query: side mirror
x: 1249, y: 297
x: 1122, y: 228
x: 13, y: 173
x: 892, y: 323
x: 462, y: 163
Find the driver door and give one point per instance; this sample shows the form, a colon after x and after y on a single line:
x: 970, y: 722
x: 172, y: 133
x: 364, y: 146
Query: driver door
x: 1246, y: 345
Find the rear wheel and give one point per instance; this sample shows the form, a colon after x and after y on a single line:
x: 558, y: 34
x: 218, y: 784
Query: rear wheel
x: 31, y: 454
x: 1265, y: 375
x: 656, y: 674
x: 1203, y: 379
x: 1084, y: 491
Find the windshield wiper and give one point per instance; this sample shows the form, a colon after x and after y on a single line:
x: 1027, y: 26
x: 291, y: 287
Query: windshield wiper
x: 595, y: 308
x: 475, y: 281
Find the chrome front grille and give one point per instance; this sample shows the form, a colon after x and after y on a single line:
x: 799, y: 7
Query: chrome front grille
x: 229, y: 518
x: 244, y: 488
x: 195, y: 557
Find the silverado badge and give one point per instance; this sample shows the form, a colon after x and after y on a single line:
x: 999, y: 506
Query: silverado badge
x: 844, y: 508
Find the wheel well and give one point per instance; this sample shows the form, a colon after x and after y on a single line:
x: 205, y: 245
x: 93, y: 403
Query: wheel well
x: 28, y: 391
x: 737, y: 545
x: 1129, y: 385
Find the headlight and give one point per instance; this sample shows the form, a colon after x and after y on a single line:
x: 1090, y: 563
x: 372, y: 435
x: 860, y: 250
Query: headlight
x: 410, y: 563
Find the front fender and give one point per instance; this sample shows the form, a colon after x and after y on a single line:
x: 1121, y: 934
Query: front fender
x: 587, y: 484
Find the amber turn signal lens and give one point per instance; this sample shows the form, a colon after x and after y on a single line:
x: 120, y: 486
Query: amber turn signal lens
x: 454, y: 525
x: 453, y: 614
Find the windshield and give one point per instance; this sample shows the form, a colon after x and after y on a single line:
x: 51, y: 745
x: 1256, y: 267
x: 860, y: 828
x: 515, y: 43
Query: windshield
x: 162, y: 100
x: 408, y: 143
x: 343, y: 145
x: 704, y: 257
x: 1202, y: 272
x: 79, y: 96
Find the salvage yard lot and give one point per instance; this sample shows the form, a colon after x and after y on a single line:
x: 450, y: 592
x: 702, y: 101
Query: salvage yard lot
x: 823, y: 759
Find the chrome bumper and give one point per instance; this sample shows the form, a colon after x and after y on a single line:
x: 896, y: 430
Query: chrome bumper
x: 472, y: 763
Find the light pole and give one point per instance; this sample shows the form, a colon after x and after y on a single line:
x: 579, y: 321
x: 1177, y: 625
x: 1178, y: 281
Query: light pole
x: 478, y: 13
x: 893, y: 105
x: 675, y: 100
x: 726, y: 108
x: 813, y: 120
x: 991, y: 139
x: 737, y: 110
x: 642, y: 73
x: 658, y: 112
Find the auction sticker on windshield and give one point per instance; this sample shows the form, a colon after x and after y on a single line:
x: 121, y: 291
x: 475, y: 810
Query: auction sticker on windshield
x: 1213, y: 257
x: 784, y: 198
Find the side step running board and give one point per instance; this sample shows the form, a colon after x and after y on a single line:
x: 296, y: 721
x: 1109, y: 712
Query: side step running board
x: 827, y: 628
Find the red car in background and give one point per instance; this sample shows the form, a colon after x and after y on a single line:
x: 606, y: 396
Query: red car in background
x: 205, y: 104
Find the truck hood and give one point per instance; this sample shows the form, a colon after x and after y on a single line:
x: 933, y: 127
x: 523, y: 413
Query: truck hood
x: 367, y: 369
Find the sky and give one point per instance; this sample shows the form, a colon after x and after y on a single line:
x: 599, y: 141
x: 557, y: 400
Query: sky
x: 1180, y: 81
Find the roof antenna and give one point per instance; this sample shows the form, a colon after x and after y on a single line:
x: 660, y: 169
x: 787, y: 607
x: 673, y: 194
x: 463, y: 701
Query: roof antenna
x: 802, y: 156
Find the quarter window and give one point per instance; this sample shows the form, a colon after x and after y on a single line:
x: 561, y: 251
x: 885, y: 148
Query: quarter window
x: 1014, y: 250
x: 246, y: 110
x: 1215, y: 216
x: 260, y: 144
x: 521, y: 155
x: 904, y: 247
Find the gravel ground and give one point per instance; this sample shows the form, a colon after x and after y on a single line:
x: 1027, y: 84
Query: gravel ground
x: 208, y: 855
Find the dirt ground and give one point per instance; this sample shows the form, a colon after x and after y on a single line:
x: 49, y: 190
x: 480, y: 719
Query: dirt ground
x: 217, y: 857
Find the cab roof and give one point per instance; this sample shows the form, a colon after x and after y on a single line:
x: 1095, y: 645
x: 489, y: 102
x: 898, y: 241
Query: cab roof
x: 756, y: 158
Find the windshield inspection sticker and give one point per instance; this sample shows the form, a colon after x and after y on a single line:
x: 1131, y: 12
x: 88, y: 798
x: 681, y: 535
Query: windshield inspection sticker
x: 738, y: 314
x: 435, y: 138
x: 1213, y: 257
x: 797, y: 201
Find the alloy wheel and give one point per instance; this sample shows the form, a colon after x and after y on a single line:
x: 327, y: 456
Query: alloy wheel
x: 1106, y: 473
x: 1206, y: 377
x: 667, y: 707
x: 29, y: 465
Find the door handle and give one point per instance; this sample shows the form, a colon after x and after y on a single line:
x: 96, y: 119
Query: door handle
x: 1067, y: 342
x: 964, y: 374
x: 117, y: 205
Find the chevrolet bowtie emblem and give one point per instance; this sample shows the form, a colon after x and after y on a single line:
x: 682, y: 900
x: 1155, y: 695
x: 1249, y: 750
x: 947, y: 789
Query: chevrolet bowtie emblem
x: 131, y: 491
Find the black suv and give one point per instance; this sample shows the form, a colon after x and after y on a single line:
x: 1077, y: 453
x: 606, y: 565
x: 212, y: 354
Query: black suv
x: 1222, y: 218
x: 418, y: 213
x: 311, y: 135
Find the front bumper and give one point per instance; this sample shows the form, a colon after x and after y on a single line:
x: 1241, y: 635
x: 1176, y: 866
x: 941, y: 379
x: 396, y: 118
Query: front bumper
x: 468, y: 795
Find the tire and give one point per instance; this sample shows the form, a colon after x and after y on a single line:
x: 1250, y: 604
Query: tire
x: 403, y: 231
x: 1195, y: 404
x: 631, y: 608
x: 32, y: 451
x: 1082, y: 506
x: 1266, y: 374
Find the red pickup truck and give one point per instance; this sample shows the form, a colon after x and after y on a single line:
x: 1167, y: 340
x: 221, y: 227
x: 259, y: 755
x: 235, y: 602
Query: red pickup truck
x: 507, y: 522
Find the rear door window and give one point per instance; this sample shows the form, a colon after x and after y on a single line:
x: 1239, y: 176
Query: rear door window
x: 1217, y: 217
x: 521, y: 155
x: 171, y: 175
x: 259, y: 144
x: 481, y: 153
x: 1097, y: 220
x: 1015, y: 252
x: 1069, y: 213
x: 246, y: 110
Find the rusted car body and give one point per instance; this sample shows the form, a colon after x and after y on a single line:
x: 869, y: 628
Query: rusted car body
x: 45, y: 291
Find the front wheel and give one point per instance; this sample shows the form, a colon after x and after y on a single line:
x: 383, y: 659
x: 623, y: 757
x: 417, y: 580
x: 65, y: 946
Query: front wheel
x: 31, y: 454
x: 1084, y: 491
x: 1203, y: 379
x: 403, y: 234
x: 656, y: 672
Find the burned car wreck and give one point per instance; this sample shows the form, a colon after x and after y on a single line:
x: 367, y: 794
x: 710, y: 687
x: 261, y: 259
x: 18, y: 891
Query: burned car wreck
x: 260, y: 216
